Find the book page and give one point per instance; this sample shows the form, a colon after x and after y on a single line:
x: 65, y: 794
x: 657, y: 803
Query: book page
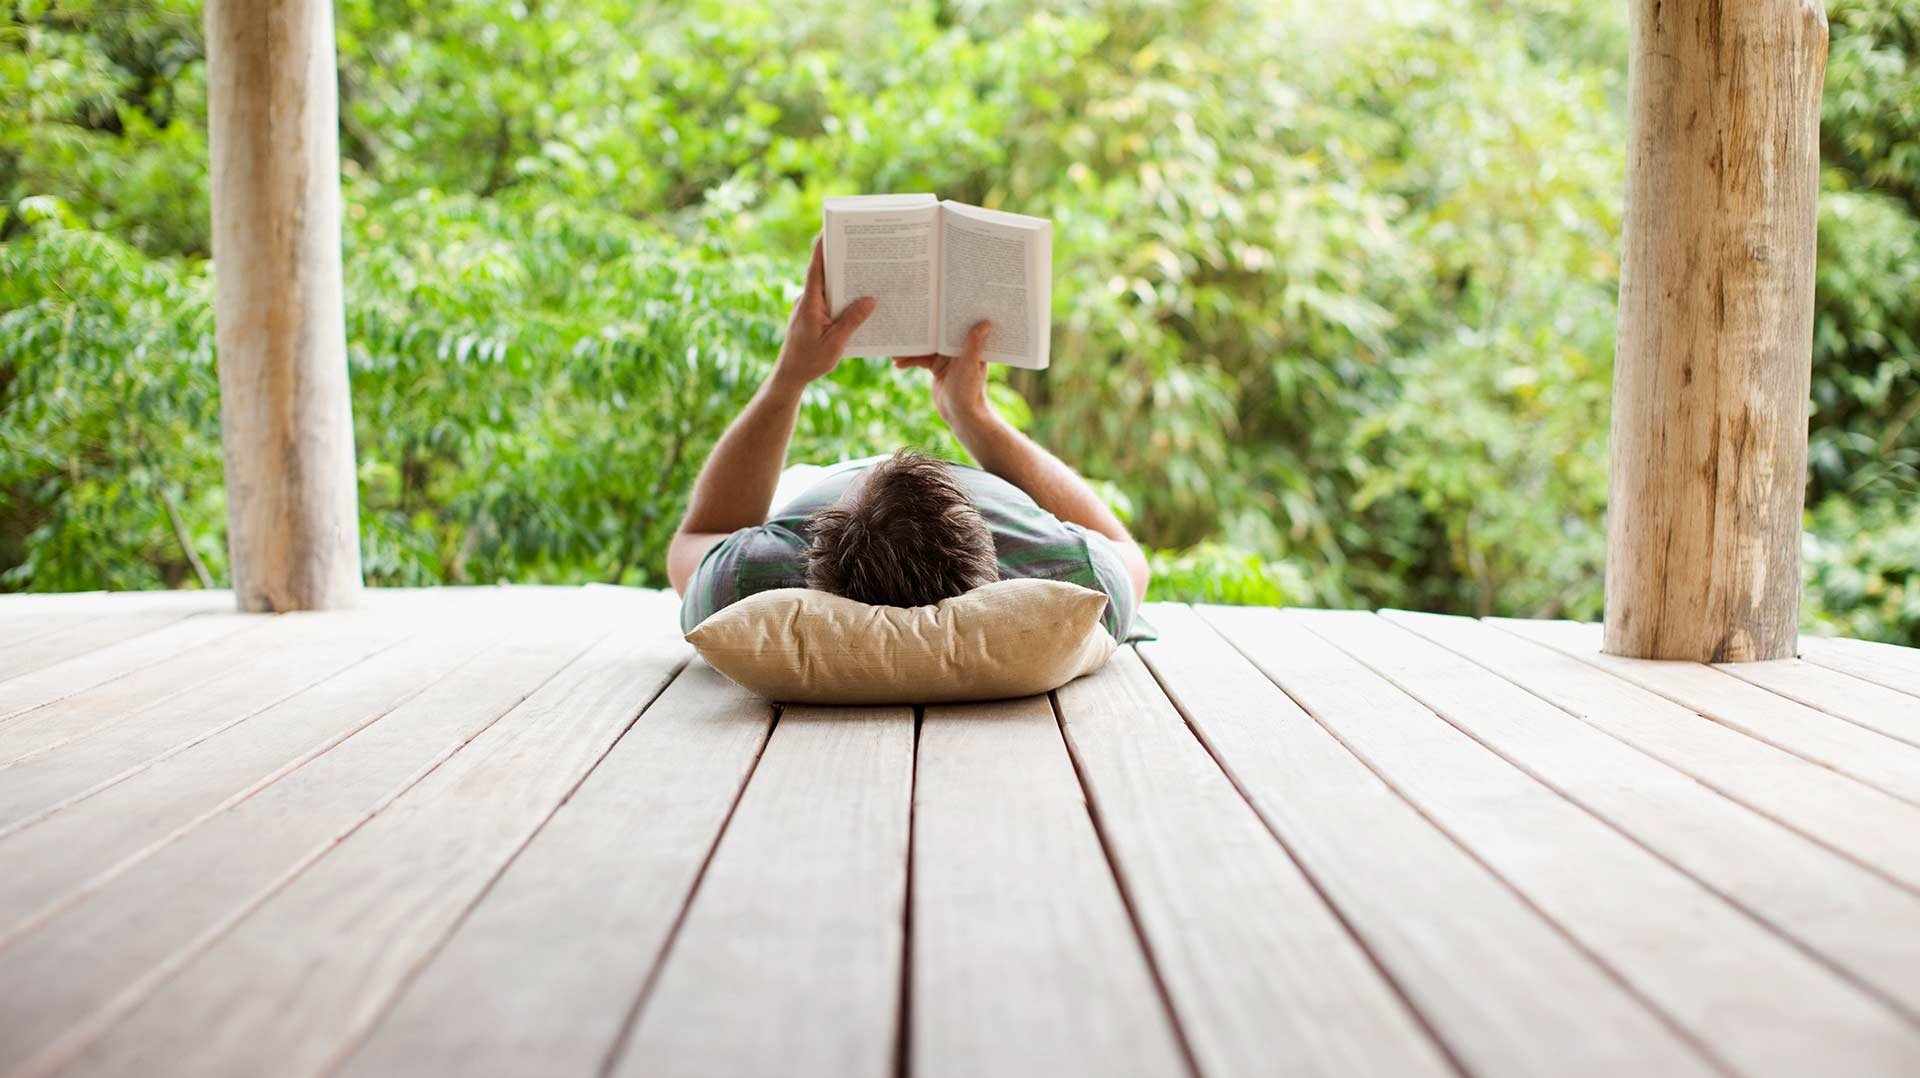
x: 883, y: 246
x: 997, y: 267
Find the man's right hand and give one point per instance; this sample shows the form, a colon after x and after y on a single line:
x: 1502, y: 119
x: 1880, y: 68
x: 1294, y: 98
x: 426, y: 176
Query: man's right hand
x: 959, y: 382
x: 815, y: 339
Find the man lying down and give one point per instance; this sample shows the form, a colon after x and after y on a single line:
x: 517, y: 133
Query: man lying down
x: 902, y: 530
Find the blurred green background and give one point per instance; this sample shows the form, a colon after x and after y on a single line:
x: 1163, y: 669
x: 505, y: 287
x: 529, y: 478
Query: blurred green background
x: 1333, y: 296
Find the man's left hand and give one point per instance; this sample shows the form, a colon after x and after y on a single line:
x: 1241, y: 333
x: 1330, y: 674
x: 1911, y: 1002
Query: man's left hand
x: 816, y: 339
x: 959, y: 382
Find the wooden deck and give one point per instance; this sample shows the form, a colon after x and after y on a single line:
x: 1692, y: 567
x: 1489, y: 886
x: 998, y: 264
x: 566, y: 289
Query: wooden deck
x: 522, y: 832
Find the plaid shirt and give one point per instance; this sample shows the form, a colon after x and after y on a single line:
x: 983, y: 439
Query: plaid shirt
x: 1028, y: 542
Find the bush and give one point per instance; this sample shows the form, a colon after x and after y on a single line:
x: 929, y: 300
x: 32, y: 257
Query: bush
x: 1333, y: 297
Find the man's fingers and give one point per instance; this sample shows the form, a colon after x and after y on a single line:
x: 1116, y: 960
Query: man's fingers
x: 856, y: 313
x: 976, y: 341
x: 850, y: 320
x: 816, y: 289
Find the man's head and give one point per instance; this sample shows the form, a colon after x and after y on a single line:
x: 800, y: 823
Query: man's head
x: 904, y: 534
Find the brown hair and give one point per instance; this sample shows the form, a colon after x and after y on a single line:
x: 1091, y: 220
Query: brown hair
x: 908, y: 536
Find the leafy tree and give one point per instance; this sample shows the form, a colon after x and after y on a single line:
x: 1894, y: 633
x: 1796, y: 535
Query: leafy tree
x: 1333, y: 297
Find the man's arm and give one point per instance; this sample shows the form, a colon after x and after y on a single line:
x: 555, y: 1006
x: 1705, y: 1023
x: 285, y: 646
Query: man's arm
x: 960, y: 395
x: 736, y: 484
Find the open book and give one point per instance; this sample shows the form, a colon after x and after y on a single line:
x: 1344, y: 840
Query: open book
x: 934, y: 269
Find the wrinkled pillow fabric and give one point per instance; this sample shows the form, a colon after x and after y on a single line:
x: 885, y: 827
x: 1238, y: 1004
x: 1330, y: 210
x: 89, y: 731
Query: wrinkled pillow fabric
x: 1009, y: 638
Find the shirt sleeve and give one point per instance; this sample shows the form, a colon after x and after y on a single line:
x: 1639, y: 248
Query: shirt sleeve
x: 749, y: 561
x: 1111, y: 572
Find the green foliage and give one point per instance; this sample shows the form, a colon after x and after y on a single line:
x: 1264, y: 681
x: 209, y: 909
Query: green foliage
x: 110, y: 445
x: 1212, y: 573
x: 1863, y: 569
x: 1333, y: 297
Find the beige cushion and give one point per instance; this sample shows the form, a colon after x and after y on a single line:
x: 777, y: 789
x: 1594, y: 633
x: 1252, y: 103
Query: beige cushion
x: 1009, y: 638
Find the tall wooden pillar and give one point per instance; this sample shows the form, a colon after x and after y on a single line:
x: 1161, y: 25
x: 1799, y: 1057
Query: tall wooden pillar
x: 292, y: 514
x: 1715, y: 330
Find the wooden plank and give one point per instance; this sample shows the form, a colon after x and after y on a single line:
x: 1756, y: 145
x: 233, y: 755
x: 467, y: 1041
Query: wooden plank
x: 51, y: 861
x: 1261, y: 974
x: 541, y: 977
x: 1875, y: 759
x: 1752, y: 999
x: 22, y: 628
x: 274, y: 640
x: 83, y: 672
x: 487, y: 599
x: 1858, y: 701
x: 105, y: 951
x: 1873, y: 829
x: 41, y: 603
x: 1856, y: 920
x: 43, y: 648
x: 789, y: 961
x: 301, y: 978
x: 1887, y: 665
x: 1024, y: 960
x: 29, y: 617
x: 1426, y: 909
x: 41, y: 784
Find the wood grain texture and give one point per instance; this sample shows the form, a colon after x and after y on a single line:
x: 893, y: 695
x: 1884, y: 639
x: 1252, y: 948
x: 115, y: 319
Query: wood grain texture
x: 1858, y: 700
x: 789, y: 960
x: 1874, y: 829
x: 72, y: 976
x: 1715, y: 328
x: 1024, y: 959
x: 1263, y: 978
x: 1750, y: 998
x: 302, y: 977
x: 1854, y: 919
x: 24, y: 604
x: 272, y: 883
x: 60, y: 680
x: 1873, y: 758
x: 279, y: 321
x: 1426, y: 909
x: 83, y: 714
x: 1888, y: 665
x: 540, y: 978
x: 30, y: 617
x: 20, y: 628
x: 49, y: 862
x: 43, y: 783
x: 38, y: 648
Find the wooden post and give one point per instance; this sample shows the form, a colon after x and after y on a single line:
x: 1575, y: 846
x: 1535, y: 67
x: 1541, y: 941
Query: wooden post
x: 292, y: 514
x: 1715, y: 329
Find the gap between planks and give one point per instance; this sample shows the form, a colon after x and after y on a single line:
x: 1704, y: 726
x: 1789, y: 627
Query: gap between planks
x: 790, y: 957
x: 51, y: 684
x: 1248, y: 949
x: 62, y: 857
x: 1842, y: 694
x: 1422, y: 905
x: 1887, y: 665
x: 377, y: 895
x: 542, y: 975
x: 1754, y: 1000
x: 1862, y: 754
x: 114, y: 944
x: 1856, y: 921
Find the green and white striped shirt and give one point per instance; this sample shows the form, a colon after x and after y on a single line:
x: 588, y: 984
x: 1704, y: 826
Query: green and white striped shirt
x: 1028, y: 542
